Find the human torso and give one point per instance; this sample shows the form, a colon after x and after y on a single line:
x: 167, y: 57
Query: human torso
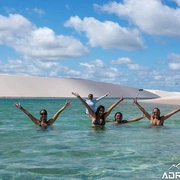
x: 43, y: 124
x: 98, y: 122
x: 156, y: 121
x: 91, y: 104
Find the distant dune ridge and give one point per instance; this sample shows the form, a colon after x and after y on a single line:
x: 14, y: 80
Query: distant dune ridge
x: 41, y: 87
x: 27, y: 86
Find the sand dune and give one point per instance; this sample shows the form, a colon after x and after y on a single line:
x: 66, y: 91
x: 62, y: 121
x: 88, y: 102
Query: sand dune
x: 34, y: 87
x: 165, y: 97
x: 26, y: 86
x: 164, y: 100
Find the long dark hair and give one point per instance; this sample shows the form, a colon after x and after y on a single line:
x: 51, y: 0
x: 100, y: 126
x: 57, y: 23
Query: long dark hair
x: 43, y: 110
x: 116, y: 114
x: 97, y: 111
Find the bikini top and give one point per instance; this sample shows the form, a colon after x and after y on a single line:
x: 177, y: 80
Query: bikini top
x: 160, y: 124
x: 97, y: 123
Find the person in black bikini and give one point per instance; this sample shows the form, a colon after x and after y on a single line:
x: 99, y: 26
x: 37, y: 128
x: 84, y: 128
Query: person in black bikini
x: 155, y: 118
x: 43, y: 122
x: 118, y: 119
x: 99, y: 117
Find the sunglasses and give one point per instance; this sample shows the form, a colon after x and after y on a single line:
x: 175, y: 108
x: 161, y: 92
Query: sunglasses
x: 43, y: 113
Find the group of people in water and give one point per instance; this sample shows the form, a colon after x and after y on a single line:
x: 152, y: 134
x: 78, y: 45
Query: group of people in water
x: 99, y: 116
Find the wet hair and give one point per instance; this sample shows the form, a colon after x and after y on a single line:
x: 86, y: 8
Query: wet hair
x: 157, y: 109
x: 97, y: 110
x: 116, y: 114
x: 43, y: 110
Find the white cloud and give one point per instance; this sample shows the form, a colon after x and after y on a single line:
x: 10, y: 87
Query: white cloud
x: 123, y: 60
x: 39, y: 11
x: 178, y: 2
x: 150, y: 16
x: 174, y: 61
x: 129, y: 63
x: 99, y: 71
x: 37, y: 43
x: 108, y: 34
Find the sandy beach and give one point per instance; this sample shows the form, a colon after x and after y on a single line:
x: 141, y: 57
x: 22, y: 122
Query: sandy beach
x: 41, y: 87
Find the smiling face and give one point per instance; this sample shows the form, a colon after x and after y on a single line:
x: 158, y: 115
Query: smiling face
x: 156, y: 113
x: 90, y: 96
x: 118, y: 117
x: 101, y: 111
x: 43, y: 115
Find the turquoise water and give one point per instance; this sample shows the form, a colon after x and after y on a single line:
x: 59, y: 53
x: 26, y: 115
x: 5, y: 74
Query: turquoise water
x: 71, y: 149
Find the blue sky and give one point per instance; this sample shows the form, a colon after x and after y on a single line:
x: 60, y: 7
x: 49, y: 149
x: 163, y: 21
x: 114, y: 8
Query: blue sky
x: 132, y: 43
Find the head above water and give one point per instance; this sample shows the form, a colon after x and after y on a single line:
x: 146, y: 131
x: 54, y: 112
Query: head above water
x: 156, y: 112
x: 118, y: 116
x: 90, y: 96
x: 43, y: 112
x: 100, y: 111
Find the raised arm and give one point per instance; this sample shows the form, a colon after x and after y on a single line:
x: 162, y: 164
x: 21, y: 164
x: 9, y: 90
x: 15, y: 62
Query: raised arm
x: 164, y: 117
x: 35, y: 120
x: 135, y: 119
x: 142, y: 109
x: 53, y: 119
x: 102, y: 96
x: 112, y: 106
x: 91, y: 112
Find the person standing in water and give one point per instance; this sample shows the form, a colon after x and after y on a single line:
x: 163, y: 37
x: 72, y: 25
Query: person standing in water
x: 92, y: 101
x: 98, y: 118
x: 155, y: 118
x: 43, y: 122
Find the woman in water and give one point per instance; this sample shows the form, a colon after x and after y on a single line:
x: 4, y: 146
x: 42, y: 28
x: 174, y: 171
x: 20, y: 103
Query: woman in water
x: 43, y: 122
x: 156, y: 119
x: 99, y: 117
x: 118, y: 119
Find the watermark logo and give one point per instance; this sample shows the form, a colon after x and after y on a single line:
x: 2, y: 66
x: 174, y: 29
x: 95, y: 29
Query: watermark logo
x: 173, y: 172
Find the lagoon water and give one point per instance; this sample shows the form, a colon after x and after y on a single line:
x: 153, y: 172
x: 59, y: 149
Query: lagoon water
x: 72, y: 150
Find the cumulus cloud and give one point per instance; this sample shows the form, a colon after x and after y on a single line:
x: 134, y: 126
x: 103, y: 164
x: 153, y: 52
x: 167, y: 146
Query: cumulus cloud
x: 99, y: 71
x: 37, y: 43
x: 178, y: 2
x: 39, y: 11
x: 108, y: 34
x: 174, y: 61
x: 151, y: 16
x: 37, y: 68
x: 129, y: 63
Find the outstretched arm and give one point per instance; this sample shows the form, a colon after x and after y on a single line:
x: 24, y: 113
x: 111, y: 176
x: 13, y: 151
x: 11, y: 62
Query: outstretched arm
x: 36, y: 121
x: 91, y: 112
x: 135, y: 119
x: 142, y: 109
x: 102, y: 96
x: 164, y: 117
x: 53, y: 119
x: 112, y: 106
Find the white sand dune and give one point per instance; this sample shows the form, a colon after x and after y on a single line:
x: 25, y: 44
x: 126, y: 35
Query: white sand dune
x: 30, y: 87
x: 26, y: 86
x: 165, y: 97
